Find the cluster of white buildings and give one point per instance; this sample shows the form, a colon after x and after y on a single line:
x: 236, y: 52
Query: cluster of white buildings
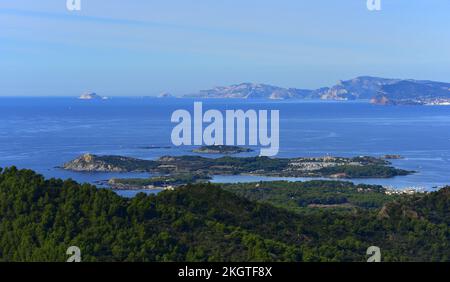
x: 405, y: 191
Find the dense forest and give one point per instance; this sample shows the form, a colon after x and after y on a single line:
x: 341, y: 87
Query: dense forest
x: 301, y: 196
x: 40, y: 219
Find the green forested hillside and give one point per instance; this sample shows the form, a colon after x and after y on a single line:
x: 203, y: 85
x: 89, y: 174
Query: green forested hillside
x: 40, y: 219
x: 301, y: 196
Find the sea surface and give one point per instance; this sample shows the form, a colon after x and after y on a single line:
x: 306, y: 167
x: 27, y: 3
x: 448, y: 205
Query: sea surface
x: 44, y: 133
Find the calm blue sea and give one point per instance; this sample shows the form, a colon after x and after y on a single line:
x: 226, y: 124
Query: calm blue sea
x: 43, y: 133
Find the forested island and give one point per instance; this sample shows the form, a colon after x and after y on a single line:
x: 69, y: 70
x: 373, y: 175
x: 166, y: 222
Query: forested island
x: 268, y: 221
x: 330, y: 167
x: 221, y: 149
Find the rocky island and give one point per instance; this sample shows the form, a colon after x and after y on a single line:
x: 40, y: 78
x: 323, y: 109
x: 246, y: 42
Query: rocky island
x: 222, y: 149
x: 165, y: 95
x: 393, y: 157
x: 91, y: 96
x: 94, y: 163
x: 329, y: 167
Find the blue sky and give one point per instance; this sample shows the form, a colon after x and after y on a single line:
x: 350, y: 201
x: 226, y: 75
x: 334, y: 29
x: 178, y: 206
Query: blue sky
x: 137, y: 47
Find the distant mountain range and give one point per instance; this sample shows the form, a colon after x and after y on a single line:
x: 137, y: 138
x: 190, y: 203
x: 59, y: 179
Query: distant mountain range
x: 377, y: 90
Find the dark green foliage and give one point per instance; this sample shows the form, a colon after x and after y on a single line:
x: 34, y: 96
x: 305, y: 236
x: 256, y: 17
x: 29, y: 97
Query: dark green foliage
x: 159, y: 181
x: 250, y: 164
x: 298, y: 196
x: 358, y: 171
x: 40, y: 219
x: 226, y: 165
x: 125, y: 163
x: 222, y: 149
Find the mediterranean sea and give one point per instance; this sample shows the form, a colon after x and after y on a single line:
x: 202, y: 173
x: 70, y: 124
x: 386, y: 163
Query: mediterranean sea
x: 43, y: 133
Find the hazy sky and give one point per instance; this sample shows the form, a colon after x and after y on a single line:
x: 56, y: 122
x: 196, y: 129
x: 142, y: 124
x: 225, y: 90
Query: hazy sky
x: 144, y: 47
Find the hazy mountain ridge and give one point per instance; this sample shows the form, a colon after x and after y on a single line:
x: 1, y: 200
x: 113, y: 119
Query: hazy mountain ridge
x: 378, y: 90
x: 248, y: 90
